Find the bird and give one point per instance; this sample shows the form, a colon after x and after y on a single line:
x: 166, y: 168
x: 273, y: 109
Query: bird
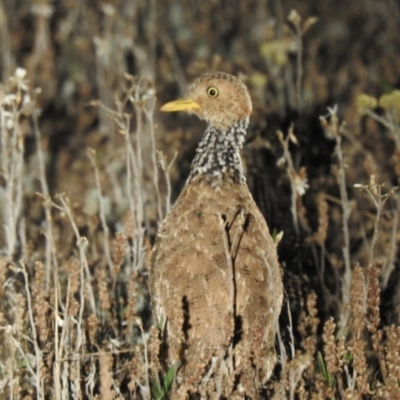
x: 215, y: 279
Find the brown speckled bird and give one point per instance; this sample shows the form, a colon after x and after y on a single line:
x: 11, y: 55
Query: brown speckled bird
x: 215, y: 280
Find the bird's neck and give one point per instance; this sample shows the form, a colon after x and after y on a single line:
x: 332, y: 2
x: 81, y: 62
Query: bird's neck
x: 218, y: 154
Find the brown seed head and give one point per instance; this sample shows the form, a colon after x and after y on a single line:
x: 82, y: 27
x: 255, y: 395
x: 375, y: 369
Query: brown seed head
x: 219, y: 98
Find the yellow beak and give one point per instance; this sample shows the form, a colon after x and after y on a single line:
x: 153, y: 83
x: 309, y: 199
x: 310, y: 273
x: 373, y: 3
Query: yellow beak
x: 180, y: 105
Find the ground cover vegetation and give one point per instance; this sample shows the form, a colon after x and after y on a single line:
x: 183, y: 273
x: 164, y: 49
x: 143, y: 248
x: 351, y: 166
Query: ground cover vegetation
x: 89, y: 168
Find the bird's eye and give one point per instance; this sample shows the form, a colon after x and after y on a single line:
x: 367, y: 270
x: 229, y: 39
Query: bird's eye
x: 212, y: 91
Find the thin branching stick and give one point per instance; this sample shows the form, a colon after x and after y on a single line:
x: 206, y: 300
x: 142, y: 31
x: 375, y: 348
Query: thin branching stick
x: 47, y: 205
x: 149, y: 113
x: 38, y: 351
x: 166, y: 169
x: 82, y: 244
x: 106, y: 243
x: 332, y: 123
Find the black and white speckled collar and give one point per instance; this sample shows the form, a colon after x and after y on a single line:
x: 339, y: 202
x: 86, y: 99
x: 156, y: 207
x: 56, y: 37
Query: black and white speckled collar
x: 218, y: 154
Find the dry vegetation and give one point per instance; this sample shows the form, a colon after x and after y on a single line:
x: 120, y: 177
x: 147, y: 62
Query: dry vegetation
x: 88, y: 169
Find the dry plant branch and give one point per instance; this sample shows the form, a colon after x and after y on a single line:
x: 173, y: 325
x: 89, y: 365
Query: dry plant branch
x: 298, y: 180
x: 295, y: 19
x: 91, y: 153
x: 38, y: 352
x: 379, y: 200
x: 56, y: 322
x: 300, y: 30
x: 16, y: 103
x: 335, y: 129
x: 146, y: 389
x: 297, y: 368
x: 81, y: 243
x: 46, y: 195
x: 149, y: 113
x: 141, y: 95
x: 12, y: 153
x: 135, y: 201
x: 166, y: 169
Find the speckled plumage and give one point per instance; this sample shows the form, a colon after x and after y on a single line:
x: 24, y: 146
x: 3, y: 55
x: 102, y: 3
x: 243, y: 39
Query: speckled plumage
x: 218, y: 154
x: 215, y: 279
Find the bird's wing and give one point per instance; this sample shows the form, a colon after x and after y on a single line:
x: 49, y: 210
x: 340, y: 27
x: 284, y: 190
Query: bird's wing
x: 189, y: 280
x: 259, y: 290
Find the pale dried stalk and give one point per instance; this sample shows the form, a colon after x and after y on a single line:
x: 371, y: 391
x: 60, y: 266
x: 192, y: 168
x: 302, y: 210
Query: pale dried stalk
x: 149, y: 111
x: 65, y: 344
x: 375, y: 193
x: 57, y: 302
x: 134, y: 163
x: 18, y: 346
x: 295, y: 19
x: 13, y: 152
x: 125, y: 127
x: 34, y: 341
x: 81, y: 243
x: 341, y: 177
x: 291, y: 172
x: 137, y: 162
x: 47, y: 204
x: 166, y: 169
x: 106, y: 243
x: 332, y: 124
x: 80, y: 329
x: 283, y: 358
x: 135, y: 198
x: 57, y: 364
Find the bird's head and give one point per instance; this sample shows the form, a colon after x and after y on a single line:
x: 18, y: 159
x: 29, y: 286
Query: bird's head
x: 219, y: 98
